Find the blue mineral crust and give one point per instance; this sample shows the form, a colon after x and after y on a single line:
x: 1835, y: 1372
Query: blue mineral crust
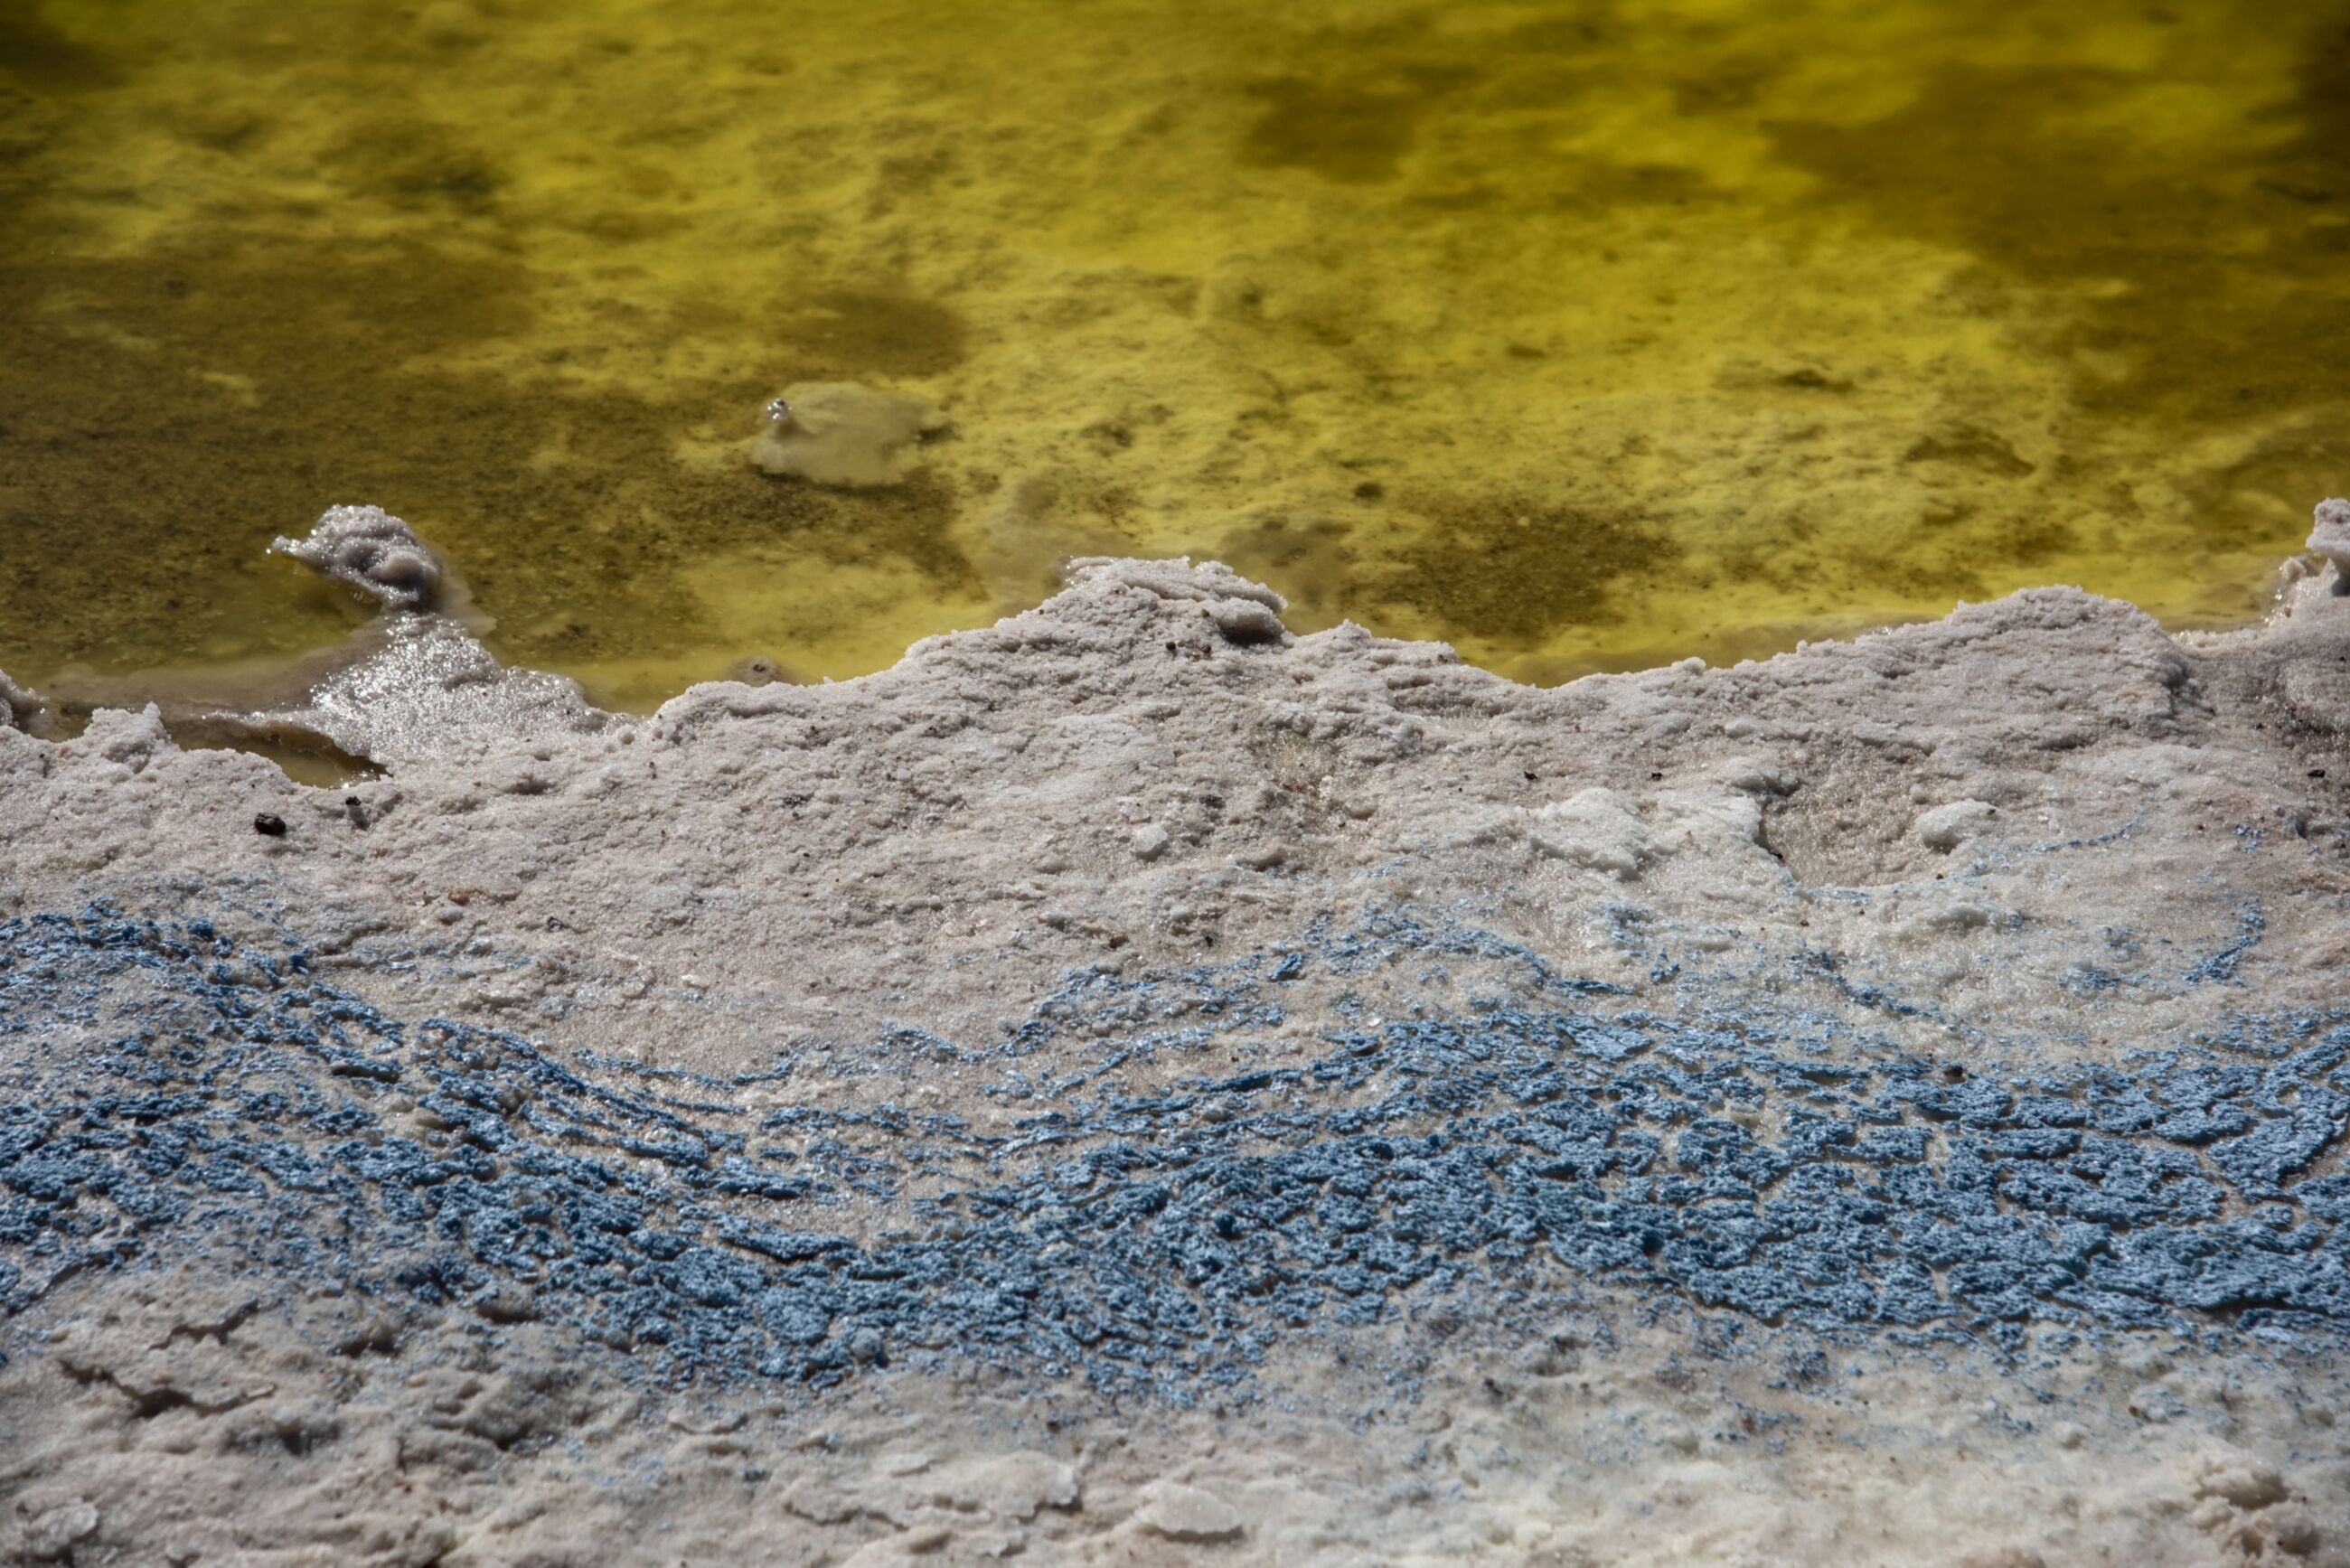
x: 170, y: 1094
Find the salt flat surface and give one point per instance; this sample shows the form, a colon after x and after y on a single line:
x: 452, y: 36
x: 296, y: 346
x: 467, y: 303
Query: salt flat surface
x: 1133, y: 1085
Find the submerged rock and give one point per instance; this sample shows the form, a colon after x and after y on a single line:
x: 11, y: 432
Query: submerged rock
x: 372, y: 551
x: 845, y: 434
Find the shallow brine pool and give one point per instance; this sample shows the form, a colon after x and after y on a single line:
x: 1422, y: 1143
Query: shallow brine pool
x: 1584, y: 336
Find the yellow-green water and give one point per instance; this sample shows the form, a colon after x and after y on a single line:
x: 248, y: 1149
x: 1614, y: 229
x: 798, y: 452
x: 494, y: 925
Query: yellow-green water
x: 1581, y: 334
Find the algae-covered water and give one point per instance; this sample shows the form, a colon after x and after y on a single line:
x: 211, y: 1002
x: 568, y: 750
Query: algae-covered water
x: 1583, y: 335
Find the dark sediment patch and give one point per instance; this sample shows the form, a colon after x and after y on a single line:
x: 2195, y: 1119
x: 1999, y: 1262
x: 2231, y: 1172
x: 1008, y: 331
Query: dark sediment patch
x: 864, y: 334
x: 1516, y: 571
x: 412, y: 163
x: 42, y: 56
x: 1349, y: 132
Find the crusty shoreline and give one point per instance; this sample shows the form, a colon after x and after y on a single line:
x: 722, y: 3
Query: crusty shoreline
x: 2026, y: 841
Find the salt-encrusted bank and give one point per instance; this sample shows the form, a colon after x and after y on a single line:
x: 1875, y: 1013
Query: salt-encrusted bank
x: 1307, y: 1097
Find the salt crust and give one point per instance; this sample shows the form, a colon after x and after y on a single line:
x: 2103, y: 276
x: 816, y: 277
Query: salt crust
x: 1974, y: 816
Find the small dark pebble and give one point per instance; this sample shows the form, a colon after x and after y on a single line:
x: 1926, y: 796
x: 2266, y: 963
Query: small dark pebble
x: 269, y: 825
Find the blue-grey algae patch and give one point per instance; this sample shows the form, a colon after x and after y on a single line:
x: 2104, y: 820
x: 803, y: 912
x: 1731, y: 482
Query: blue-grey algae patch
x: 172, y: 1093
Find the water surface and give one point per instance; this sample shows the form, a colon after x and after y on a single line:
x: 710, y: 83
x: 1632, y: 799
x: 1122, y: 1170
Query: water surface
x: 1583, y: 335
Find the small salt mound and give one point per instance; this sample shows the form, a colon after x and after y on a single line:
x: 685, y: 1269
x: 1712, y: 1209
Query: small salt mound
x: 2331, y: 538
x: 21, y: 707
x: 374, y: 551
x: 842, y: 434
